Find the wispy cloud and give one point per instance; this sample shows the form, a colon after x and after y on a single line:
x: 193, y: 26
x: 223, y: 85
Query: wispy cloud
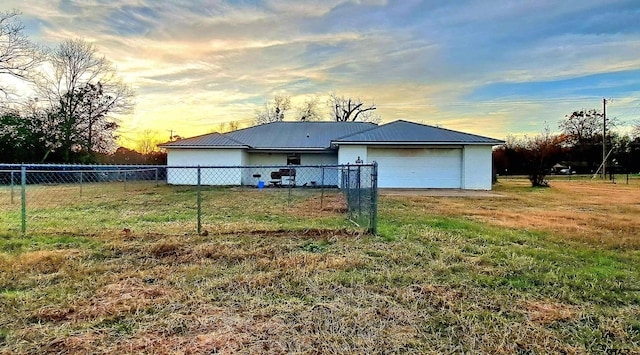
x: 482, y: 66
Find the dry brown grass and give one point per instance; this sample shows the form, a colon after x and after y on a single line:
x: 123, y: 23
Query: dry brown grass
x: 549, y: 311
x: 41, y: 261
x: 144, y: 208
x: 592, y: 212
x: 331, y: 204
x: 111, y: 301
x: 434, y: 281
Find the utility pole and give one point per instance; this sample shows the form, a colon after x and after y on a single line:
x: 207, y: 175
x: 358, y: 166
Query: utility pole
x: 604, y: 138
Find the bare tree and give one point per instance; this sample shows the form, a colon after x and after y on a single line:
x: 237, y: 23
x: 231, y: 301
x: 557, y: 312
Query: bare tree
x: 636, y: 129
x: 148, y: 141
x: 309, y: 111
x: 539, y: 153
x: 274, y: 111
x: 582, y: 131
x: 85, y: 91
x: 347, y: 109
x: 225, y: 127
x: 233, y: 126
x: 581, y: 127
x: 18, y: 55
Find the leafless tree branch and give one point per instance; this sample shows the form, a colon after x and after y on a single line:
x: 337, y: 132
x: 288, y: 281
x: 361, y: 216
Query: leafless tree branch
x: 18, y: 55
x: 274, y: 111
x: 346, y: 109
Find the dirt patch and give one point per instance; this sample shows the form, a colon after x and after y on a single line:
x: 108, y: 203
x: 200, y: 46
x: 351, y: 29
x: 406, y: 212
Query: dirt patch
x: 307, y: 233
x: 84, y: 343
x: 548, y: 312
x: 114, y: 300
x: 320, y: 206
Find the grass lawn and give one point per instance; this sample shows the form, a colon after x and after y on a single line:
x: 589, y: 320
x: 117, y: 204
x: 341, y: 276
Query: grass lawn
x: 531, y: 271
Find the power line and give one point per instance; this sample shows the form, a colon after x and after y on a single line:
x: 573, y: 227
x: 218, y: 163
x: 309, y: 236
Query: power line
x: 491, y: 102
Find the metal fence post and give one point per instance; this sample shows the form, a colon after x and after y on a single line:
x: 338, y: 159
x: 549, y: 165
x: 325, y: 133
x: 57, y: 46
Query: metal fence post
x: 157, y: 178
x: 13, y: 184
x: 124, y: 180
x: 23, y: 195
x: 199, y: 201
x: 349, y: 206
x: 289, y: 197
x: 81, y: 184
x: 322, y: 189
x: 359, y: 186
x: 373, y: 222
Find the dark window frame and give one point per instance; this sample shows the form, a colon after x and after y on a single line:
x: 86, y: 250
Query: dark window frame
x: 293, y: 159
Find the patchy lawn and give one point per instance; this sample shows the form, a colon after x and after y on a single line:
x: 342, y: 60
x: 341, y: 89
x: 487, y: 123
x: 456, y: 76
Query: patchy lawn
x: 537, y: 270
x: 593, y: 212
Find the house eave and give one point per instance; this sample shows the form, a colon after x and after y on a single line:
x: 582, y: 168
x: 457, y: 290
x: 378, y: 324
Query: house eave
x: 395, y: 143
x: 291, y: 150
x: 201, y: 147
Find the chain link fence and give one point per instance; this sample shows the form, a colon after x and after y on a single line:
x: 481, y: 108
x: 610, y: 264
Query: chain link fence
x: 175, y: 200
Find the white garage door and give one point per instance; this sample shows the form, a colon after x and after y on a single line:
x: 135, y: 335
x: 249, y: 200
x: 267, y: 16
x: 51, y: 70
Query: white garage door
x: 418, y: 167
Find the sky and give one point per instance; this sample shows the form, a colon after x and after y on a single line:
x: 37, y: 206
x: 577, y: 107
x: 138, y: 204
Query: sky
x: 488, y: 67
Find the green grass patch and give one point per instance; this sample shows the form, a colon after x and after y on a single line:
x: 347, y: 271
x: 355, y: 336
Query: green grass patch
x: 272, y: 278
x: 14, y: 244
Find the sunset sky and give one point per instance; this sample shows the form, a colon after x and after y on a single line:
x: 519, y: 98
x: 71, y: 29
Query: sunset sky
x: 487, y: 67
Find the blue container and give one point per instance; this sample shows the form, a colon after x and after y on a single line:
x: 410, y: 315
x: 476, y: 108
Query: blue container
x: 261, y: 184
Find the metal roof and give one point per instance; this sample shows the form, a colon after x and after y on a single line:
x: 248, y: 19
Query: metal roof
x: 321, y: 135
x: 297, y: 135
x: 208, y: 140
x: 409, y: 132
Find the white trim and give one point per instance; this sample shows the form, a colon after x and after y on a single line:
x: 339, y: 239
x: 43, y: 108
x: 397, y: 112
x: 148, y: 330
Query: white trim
x: 250, y: 149
x: 399, y: 143
x: 203, y: 146
x: 292, y: 149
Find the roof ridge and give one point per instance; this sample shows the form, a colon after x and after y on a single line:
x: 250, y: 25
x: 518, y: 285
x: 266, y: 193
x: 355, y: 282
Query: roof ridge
x: 198, y: 136
x: 447, y: 129
x: 353, y: 134
x: 235, y: 140
x: 211, y: 135
x: 408, y: 127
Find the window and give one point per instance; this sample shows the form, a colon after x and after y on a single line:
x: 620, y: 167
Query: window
x: 293, y: 159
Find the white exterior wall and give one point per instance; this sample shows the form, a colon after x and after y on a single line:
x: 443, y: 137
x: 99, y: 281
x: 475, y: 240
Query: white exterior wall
x: 303, y: 175
x: 476, y: 167
x: 266, y: 159
x: 348, y: 154
x: 418, y: 167
x: 205, y: 157
x: 326, y: 177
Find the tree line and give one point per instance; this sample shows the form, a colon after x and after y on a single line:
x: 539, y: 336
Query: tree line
x: 76, y: 97
x: 576, y: 149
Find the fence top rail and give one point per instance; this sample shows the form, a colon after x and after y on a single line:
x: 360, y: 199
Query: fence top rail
x: 104, y: 168
x: 328, y: 166
x: 92, y: 166
x: 30, y: 171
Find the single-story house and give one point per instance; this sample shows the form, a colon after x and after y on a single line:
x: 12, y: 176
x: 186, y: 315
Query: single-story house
x: 409, y: 155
